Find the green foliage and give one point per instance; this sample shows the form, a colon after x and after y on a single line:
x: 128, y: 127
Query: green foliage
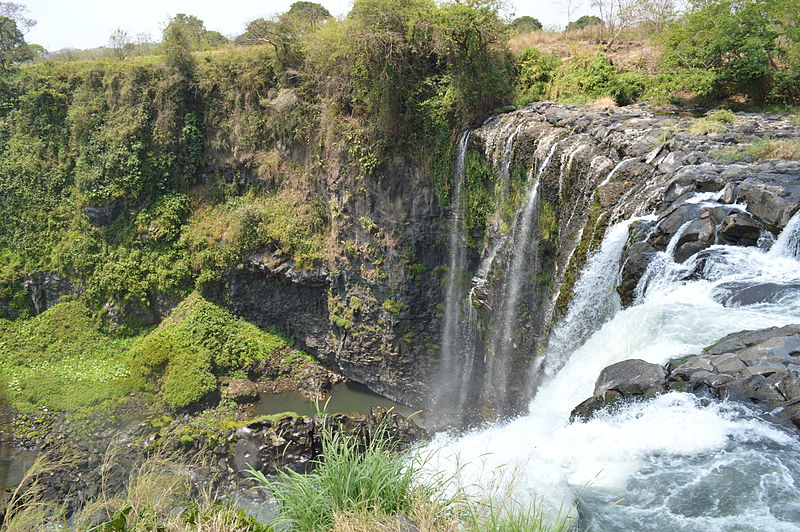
x: 526, y: 24
x: 353, y: 477
x: 446, y: 63
x: 590, y: 75
x: 762, y: 150
x: 192, y: 33
x: 713, y: 122
x: 535, y: 71
x: 220, y: 236
x: 198, y: 342
x: 13, y: 48
x: 584, y: 21
x: 479, y: 202
x: 394, y: 306
x: 739, y: 43
x: 61, y: 360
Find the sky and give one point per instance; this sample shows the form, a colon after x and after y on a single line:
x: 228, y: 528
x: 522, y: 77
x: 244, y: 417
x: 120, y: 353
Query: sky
x: 89, y: 23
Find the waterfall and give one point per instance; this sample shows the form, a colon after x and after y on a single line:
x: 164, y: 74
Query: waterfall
x: 673, y: 462
x: 500, y: 359
x: 595, y: 300
x: 458, y: 344
x: 788, y: 243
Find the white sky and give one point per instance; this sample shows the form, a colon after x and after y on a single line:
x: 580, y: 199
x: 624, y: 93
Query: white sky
x: 88, y: 23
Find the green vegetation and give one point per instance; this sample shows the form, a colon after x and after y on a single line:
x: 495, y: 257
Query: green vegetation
x: 197, y: 343
x: 526, y: 23
x: 373, y: 480
x: 584, y: 21
x: 763, y: 150
x: 713, y: 122
x: 62, y: 360
x: 160, y: 495
x: 368, y: 486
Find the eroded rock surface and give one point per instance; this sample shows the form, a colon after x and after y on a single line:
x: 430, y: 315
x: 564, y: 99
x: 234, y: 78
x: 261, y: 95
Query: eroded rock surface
x: 760, y: 367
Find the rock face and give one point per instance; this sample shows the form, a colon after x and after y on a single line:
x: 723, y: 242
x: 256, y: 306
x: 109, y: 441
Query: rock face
x: 624, y: 380
x: 45, y: 289
x: 756, y: 367
x: 760, y: 367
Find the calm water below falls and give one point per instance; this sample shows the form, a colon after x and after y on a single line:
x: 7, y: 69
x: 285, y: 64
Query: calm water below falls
x: 348, y: 397
x: 673, y: 463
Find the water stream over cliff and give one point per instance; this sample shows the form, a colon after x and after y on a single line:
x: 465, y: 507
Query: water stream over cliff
x: 673, y: 462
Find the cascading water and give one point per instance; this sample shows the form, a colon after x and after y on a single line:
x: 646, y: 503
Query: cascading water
x: 498, y: 364
x: 670, y: 463
x: 458, y: 344
x: 788, y: 243
x: 595, y: 301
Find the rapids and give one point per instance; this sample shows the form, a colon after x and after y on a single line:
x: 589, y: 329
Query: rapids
x: 675, y: 462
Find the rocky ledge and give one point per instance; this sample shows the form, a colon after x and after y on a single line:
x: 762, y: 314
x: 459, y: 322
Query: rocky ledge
x: 760, y: 367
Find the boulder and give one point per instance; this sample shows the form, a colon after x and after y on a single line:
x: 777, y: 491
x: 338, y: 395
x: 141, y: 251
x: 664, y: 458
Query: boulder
x: 621, y: 381
x: 760, y: 367
x: 242, y: 391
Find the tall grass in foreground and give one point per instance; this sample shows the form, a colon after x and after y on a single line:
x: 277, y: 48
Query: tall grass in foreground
x: 371, y: 487
x: 159, y: 496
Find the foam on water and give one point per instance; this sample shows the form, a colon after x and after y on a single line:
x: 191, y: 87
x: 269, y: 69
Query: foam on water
x: 675, y: 462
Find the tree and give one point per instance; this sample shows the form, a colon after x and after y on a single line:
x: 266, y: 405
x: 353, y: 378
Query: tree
x: 734, y: 41
x: 120, y: 44
x: 584, y: 21
x: 284, y: 31
x: 310, y: 13
x: 617, y: 15
x: 526, y: 24
x: 16, y: 12
x: 13, y: 48
x: 194, y: 33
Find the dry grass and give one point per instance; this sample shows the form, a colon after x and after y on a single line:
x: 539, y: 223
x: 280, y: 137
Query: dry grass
x: 633, y: 51
x: 775, y: 149
x: 604, y: 102
x: 704, y: 126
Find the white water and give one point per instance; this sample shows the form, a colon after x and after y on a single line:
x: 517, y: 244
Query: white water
x: 673, y: 463
x: 456, y: 350
x: 595, y: 299
x: 497, y: 366
x: 788, y: 243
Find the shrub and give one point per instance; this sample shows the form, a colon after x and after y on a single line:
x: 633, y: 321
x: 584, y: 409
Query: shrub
x: 535, y: 70
x: 198, y: 342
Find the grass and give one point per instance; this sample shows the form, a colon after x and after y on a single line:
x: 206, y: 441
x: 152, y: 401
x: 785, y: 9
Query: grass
x: 713, y: 122
x: 762, y: 150
x: 197, y: 343
x: 362, y: 485
x: 159, y: 495
x: 220, y: 236
x: 371, y: 487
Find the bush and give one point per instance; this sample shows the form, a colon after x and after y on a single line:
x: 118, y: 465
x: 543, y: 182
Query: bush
x: 197, y: 343
x: 535, y: 70
x: 738, y: 42
x: 584, y: 21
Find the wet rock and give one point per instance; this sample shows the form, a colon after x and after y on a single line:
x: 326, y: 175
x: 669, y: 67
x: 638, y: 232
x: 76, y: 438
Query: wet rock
x: 738, y: 294
x: 772, y: 195
x: 270, y: 443
x: 622, y: 381
x: 739, y: 229
x: 102, y: 216
x: 631, y: 377
x: 760, y: 367
x: 241, y: 391
x: 46, y: 288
